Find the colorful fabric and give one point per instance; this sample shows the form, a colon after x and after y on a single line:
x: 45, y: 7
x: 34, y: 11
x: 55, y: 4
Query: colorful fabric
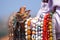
x: 56, y: 22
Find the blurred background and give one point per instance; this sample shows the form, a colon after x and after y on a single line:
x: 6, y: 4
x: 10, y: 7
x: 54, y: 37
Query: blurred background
x: 8, y: 7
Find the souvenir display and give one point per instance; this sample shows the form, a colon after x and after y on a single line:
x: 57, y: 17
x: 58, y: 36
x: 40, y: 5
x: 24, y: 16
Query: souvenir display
x: 35, y: 28
x: 23, y: 27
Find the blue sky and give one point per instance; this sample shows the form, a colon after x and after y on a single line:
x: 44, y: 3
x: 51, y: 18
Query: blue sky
x: 9, y: 6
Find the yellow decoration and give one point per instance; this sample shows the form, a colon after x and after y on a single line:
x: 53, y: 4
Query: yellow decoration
x: 50, y: 22
x: 28, y: 31
x: 29, y: 37
x: 50, y: 38
x: 33, y: 32
x: 50, y: 26
x: 50, y: 34
x: 50, y: 30
x: 29, y: 22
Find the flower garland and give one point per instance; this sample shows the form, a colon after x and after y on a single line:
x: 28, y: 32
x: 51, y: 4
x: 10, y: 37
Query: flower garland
x: 33, y: 29
x: 47, y: 27
x: 39, y: 28
x: 28, y: 29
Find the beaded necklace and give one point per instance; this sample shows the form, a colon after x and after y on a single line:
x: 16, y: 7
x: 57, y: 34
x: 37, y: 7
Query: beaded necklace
x: 33, y: 29
x: 28, y: 29
x: 47, y: 27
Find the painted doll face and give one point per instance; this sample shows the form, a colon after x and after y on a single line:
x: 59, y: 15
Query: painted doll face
x: 56, y: 2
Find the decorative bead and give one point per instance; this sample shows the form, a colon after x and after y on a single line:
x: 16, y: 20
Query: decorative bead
x: 33, y: 28
x: 29, y: 23
x: 25, y: 26
x: 28, y: 31
x: 29, y: 37
x: 25, y: 33
x: 33, y: 32
x: 50, y: 26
